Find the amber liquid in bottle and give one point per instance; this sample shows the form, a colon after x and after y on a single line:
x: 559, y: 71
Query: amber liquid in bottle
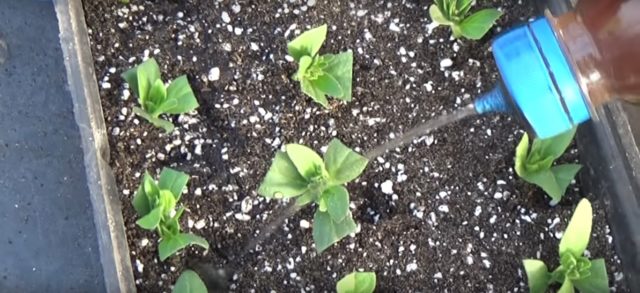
x: 601, y: 39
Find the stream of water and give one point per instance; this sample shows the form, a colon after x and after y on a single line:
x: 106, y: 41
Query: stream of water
x: 421, y: 130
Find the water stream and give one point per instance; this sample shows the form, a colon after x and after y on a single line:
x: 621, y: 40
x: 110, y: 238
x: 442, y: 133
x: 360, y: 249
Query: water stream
x: 420, y: 130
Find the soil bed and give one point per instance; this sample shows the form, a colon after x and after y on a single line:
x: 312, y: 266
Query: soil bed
x: 458, y: 219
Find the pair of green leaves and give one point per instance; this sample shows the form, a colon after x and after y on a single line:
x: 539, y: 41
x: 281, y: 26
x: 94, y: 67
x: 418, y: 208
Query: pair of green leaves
x: 454, y: 13
x: 189, y: 282
x: 301, y: 173
x: 535, y: 165
x: 575, y: 270
x: 155, y: 203
x: 357, y: 282
x: 321, y: 75
x: 155, y: 98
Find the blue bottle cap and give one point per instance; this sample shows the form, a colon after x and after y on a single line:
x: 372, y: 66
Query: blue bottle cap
x: 538, y: 77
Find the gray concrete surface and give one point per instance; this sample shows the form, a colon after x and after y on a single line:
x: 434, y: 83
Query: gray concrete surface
x: 48, y: 240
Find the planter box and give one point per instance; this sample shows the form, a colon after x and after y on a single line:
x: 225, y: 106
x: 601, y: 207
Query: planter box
x: 62, y: 222
x: 609, y: 150
x: 60, y: 203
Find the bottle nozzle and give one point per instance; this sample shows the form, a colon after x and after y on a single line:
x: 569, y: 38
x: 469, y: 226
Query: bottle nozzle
x: 495, y: 100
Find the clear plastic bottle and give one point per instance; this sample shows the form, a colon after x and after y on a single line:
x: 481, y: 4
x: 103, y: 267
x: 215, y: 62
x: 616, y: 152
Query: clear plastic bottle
x: 555, y: 70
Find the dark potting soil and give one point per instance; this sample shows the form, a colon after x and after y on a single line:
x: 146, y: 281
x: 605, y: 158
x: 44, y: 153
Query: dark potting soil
x: 445, y: 214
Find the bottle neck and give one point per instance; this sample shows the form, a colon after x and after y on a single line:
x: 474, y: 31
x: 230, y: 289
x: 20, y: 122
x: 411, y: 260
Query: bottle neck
x: 600, y: 41
x: 583, y: 55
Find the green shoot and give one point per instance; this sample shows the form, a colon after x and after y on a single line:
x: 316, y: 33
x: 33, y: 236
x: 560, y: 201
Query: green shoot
x: 575, y: 270
x: 455, y: 13
x: 301, y: 173
x: 535, y: 165
x: 321, y: 75
x: 189, y: 282
x: 155, y: 203
x: 357, y: 282
x: 155, y: 98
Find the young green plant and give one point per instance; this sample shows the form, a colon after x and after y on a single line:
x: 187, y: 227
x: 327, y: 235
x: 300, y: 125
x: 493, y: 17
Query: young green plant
x: 455, y: 14
x: 155, y: 98
x: 189, y: 282
x: 300, y: 173
x: 155, y: 204
x: 535, y: 165
x: 357, y: 282
x: 575, y: 270
x: 321, y: 75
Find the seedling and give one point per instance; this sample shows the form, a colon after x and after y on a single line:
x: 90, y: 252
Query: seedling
x: 321, y: 75
x: 575, y: 270
x: 535, y: 165
x: 155, y: 98
x: 189, y: 282
x: 455, y: 13
x: 357, y: 282
x: 299, y: 172
x: 155, y: 203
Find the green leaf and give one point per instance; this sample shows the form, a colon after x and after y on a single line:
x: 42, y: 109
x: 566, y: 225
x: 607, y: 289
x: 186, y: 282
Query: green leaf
x: 180, y: 90
x: 522, y: 151
x: 316, y: 94
x: 282, y: 179
x: 327, y: 232
x: 343, y: 164
x: 157, y: 94
x: 327, y: 84
x: 308, y: 43
x: 144, y: 85
x: 167, y: 201
x: 537, y: 275
x: 547, y: 181
x: 554, y: 146
x: 544, y: 164
x: 584, y: 267
x: 449, y: 7
x: 172, y: 244
x: 576, y: 236
x: 165, y: 106
x: 478, y: 24
x: 597, y: 282
x: 141, y: 200
x: 151, y: 72
x: 337, y: 199
x: 357, y: 282
x: 189, y: 282
x: 172, y: 225
x: 157, y: 122
x: 322, y: 204
x: 150, y: 190
x: 174, y: 181
x: 564, y: 174
x: 303, y: 66
x: 151, y: 220
x: 308, y: 163
x: 462, y: 7
x: 305, y: 199
x: 535, y: 166
x: 340, y: 67
x: 437, y: 15
x: 567, y: 286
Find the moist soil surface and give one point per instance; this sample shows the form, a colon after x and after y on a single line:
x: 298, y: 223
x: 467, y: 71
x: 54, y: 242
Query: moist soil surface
x: 456, y: 218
